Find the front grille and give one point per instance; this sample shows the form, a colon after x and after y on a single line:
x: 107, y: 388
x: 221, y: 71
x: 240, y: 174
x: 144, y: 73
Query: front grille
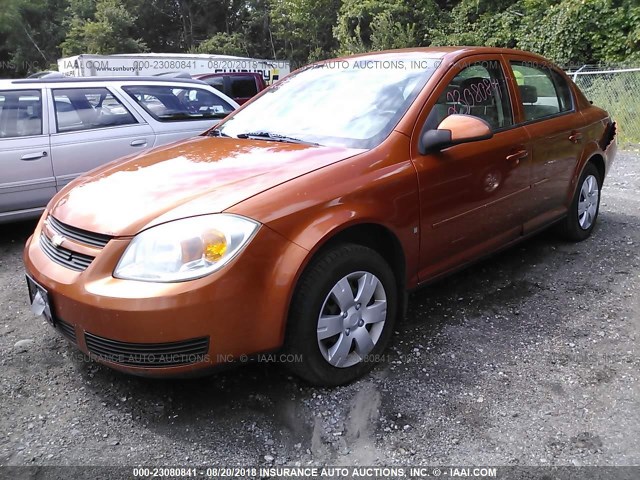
x: 67, y: 330
x: 148, y: 355
x: 82, y: 236
x: 65, y: 257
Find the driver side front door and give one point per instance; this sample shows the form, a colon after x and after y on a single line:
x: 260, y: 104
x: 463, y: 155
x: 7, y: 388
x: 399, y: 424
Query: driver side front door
x: 472, y: 195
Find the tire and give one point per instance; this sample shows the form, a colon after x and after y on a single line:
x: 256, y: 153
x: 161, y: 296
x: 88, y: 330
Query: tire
x: 583, y: 212
x: 329, y: 329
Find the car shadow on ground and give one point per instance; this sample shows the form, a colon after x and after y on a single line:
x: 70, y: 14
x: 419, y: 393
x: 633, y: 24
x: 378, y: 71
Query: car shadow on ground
x: 16, y: 232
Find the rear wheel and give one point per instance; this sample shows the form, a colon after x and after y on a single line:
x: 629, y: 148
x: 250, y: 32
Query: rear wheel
x: 585, y: 206
x: 341, y: 316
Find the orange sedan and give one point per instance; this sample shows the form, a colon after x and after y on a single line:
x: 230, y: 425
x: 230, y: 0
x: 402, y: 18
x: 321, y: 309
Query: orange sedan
x: 300, y: 222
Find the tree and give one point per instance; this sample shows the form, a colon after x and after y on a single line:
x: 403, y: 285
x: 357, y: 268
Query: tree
x: 224, y: 44
x: 575, y: 33
x: 29, y: 35
x: 360, y: 22
x: 109, y: 31
x: 302, y: 29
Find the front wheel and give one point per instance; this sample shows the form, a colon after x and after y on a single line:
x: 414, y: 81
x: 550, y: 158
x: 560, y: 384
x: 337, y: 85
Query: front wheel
x: 583, y: 212
x: 341, y: 316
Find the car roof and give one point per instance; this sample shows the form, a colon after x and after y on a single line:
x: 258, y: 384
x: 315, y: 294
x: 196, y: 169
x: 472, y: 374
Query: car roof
x: 25, y: 83
x: 222, y: 74
x: 39, y: 81
x: 452, y: 53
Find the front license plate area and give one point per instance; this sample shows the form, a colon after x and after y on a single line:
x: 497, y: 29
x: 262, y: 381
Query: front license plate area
x: 39, y: 299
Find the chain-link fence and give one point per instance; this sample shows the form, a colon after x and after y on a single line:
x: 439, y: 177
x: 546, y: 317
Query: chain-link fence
x: 617, y: 91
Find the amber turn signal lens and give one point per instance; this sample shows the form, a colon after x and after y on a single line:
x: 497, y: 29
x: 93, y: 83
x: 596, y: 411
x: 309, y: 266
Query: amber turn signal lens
x: 215, y: 245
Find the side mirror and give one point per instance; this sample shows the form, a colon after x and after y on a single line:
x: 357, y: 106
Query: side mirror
x: 454, y: 130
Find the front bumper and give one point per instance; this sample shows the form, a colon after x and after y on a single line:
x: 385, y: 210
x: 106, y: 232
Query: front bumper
x: 128, y: 325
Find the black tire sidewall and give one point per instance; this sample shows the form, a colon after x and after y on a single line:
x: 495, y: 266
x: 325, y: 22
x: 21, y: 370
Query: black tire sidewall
x: 314, y: 286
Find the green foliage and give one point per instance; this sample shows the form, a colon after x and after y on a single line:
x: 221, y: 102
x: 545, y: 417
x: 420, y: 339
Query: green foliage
x: 109, y: 31
x: 34, y: 33
x: 387, y: 34
x: 378, y: 24
x: 302, y: 29
x: 224, y: 44
x: 29, y: 35
x: 575, y: 33
x: 612, y: 92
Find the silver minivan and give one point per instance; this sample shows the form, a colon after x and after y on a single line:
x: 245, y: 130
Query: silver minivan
x: 52, y: 131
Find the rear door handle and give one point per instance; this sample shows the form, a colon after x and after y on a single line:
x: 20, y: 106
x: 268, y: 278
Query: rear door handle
x: 33, y: 156
x: 517, y: 156
x: 575, y: 137
x: 139, y: 143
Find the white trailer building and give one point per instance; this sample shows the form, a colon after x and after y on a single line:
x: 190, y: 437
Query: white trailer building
x: 146, y: 64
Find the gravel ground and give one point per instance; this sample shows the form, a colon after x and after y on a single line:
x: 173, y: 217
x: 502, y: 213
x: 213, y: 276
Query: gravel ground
x: 529, y: 358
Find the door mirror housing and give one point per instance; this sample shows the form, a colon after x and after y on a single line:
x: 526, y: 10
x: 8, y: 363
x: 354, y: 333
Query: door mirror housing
x: 454, y: 130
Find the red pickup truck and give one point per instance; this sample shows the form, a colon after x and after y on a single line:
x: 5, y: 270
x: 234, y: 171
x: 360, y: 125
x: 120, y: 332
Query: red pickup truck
x: 240, y: 86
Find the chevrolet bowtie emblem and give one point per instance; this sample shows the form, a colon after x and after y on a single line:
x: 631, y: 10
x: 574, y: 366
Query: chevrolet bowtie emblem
x: 57, y: 240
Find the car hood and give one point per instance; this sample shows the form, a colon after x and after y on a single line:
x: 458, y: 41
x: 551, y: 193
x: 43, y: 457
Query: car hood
x: 194, y: 177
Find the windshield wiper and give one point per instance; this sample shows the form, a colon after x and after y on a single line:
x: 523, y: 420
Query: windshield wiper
x: 276, y: 137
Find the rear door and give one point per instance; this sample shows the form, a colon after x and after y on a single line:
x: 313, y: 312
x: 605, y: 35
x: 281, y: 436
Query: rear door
x: 178, y: 111
x: 92, y: 127
x: 554, y: 125
x: 26, y: 176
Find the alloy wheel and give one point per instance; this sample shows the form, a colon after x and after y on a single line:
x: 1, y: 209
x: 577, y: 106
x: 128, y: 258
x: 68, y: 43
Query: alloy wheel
x: 588, y: 202
x: 352, y: 319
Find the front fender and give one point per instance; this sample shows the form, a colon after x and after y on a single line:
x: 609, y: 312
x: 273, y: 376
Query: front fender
x: 372, y: 188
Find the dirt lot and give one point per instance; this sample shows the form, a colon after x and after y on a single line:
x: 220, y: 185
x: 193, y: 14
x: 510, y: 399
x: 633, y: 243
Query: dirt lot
x: 529, y: 358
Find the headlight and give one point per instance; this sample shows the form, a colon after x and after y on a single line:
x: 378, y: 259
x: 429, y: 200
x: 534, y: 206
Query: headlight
x: 185, y: 249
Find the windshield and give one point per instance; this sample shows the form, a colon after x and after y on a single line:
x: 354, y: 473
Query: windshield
x: 351, y: 103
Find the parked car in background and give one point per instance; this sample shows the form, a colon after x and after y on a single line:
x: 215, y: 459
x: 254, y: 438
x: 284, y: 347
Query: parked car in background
x: 240, y: 86
x: 54, y: 129
x: 303, y: 219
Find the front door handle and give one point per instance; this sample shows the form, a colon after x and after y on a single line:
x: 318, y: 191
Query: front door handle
x: 139, y: 143
x: 33, y: 156
x: 575, y: 137
x: 517, y: 156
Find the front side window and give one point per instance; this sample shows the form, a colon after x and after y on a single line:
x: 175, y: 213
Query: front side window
x: 170, y: 103
x: 20, y: 113
x: 348, y: 103
x: 543, y: 91
x: 80, y: 109
x: 479, y: 90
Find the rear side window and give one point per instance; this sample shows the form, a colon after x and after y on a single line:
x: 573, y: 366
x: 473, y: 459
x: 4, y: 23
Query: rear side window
x: 80, y: 109
x: 242, y: 87
x: 543, y: 91
x: 170, y: 103
x: 20, y: 113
